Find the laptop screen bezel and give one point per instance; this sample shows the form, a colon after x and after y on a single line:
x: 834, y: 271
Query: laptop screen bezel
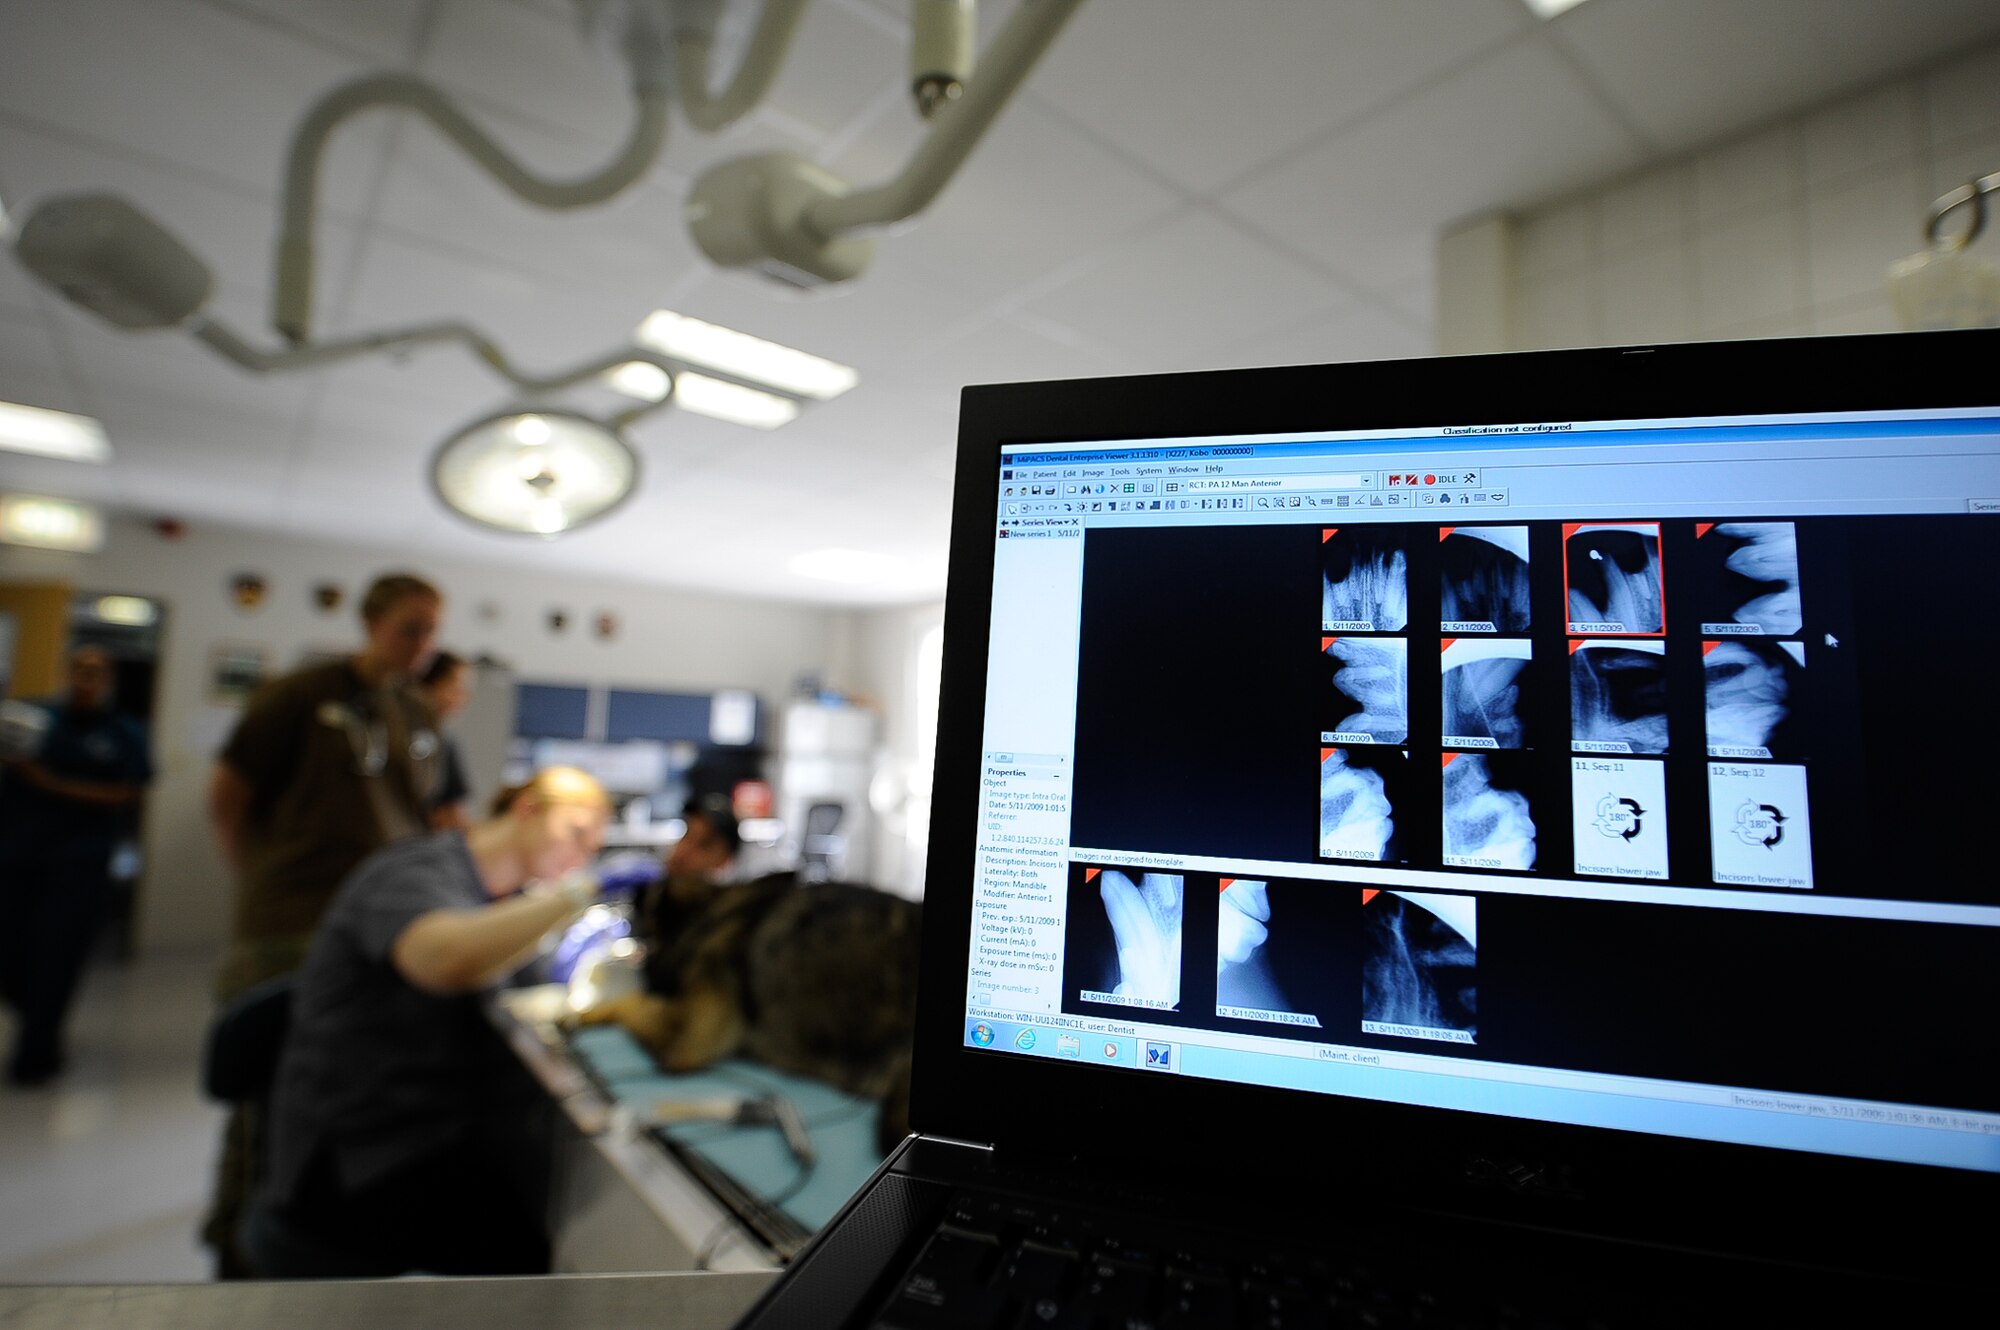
x: 1032, y: 1107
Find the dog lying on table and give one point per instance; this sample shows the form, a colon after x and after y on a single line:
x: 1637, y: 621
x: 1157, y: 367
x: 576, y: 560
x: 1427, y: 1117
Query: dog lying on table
x: 817, y: 979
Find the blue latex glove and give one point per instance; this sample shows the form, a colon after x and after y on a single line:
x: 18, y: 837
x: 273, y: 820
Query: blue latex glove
x: 621, y: 876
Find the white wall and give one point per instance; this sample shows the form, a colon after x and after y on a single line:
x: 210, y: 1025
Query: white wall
x: 1783, y: 231
x: 667, y: 639
x: 884, y: 655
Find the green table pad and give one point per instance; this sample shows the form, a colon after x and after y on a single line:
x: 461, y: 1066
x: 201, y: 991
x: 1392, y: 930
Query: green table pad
x: 841, y: 1126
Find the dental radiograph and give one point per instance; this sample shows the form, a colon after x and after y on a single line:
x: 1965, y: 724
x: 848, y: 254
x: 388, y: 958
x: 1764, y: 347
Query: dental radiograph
x: 1355, y: 813
x: 1614, y: 578
x: 1372, y: 688
x: 1482, y: 692
x: 1751, y: 691
x: 1242, y: 970
x: 1485, y: 579
x: 1419, y: 965
x: 1759, y: 586
x: 1146, y: 921
x: 1618, y: 694
x: 1365, y: 581
x: 1485, y: 826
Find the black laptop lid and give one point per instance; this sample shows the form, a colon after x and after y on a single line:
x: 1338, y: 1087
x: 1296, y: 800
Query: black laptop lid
x: 1575, y: 752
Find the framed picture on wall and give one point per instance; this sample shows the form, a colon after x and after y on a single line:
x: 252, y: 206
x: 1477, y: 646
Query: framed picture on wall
x: 234, y: 672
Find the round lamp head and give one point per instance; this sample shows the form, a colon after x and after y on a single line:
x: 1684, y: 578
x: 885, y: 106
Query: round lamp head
x: 537, y: 473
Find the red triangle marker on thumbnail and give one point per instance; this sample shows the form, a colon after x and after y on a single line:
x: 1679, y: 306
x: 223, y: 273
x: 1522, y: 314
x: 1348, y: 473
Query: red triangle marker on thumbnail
x: 1444, y: 531
x: 1574, y: 644
x: 1325, y: 753
x: 1090, y: 874
x: 1707, y: 647
x: 1326, y: 642
x: 1226, y: 881
x: 1369, y: 894
x: 1449, y: 758
x: 1703, y: 528
x: 1446, y: 645
x: 1327, y: 533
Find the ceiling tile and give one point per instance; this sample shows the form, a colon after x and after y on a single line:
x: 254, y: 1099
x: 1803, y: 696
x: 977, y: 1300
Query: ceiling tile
x: 1515, y: 128
x: 382, y: 31
x: 1691, y: 71
x: 1184, y: 290
x: 533, y: 62
x: 146, y: 76
x: 1204, y: 93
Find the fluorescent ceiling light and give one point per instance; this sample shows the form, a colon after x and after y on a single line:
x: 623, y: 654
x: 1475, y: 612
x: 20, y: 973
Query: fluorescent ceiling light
x: 732, y: 401
x: 50, y: 524
x: 855, y: 567
x: 1551, y: 8
x: 636, y: 378
x: 745, y: 357
x: 129, y: 611
x: 45, y: 433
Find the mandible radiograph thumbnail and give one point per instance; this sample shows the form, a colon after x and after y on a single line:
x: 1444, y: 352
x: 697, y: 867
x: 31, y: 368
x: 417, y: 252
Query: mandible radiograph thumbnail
x: 1489, y: 818
x: 1753, y: 689
x: 1123, y: 941
x: 1370, y: 700
x: 1360, y: 790
x: 1365, y: 580
x: 1484, y: 702
x: 1420, y: 965
x: 1749, y: 578
x: 1618, y: 697
x: 1485, y: 579
x: 1612, y: 572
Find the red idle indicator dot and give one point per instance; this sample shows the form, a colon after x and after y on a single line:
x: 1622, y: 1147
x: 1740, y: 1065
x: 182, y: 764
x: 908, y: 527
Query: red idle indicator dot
x: 1430, y: 480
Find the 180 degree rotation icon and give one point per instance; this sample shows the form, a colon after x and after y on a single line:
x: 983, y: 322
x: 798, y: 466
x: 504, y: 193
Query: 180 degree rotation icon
x: 1618, y: 817
x: 1759, y: 824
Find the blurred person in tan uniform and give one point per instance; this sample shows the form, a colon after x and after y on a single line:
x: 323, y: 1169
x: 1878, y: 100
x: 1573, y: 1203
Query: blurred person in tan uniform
x: 327, y: 765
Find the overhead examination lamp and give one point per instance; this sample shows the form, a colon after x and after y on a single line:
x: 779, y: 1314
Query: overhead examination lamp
x: 777, y: 214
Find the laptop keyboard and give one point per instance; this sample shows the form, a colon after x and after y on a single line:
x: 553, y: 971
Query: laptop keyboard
x: 995, y: 1262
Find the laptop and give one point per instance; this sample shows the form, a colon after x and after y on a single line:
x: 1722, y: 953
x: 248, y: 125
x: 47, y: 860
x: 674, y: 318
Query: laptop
x: 1489, y: 840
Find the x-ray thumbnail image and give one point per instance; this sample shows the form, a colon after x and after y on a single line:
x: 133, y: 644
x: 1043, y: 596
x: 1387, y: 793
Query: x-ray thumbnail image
x: 1485, y: 579
x: 1485, y: 704
x: 1489, y: 818
x: 1370, y: 690
x: 1272, y: 947
x: 1122, y: 939
x: 1611, y: 571
x: 1752, y: 689
x: 1365, y: 580
x: 1420, y: 965
x: 1748, y: 578
x: 1618, y: 697
x: 1361, y: 790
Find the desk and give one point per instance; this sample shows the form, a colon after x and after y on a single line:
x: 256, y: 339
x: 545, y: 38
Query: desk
x: 602, y: 1302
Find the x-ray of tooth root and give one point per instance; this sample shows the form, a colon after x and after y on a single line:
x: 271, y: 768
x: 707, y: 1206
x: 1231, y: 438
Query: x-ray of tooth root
x: 1483, y: 695
x: 1489, y: 821
x: 1617, y: 696
x: 1749, y: 578
x: 1751, y: 693
x: 1420, y: 965
x: 1365, y: 580
x: 1360, y: 789
x: 1370, y: 700
x: 1612, y: 578
x: 1485, y: 585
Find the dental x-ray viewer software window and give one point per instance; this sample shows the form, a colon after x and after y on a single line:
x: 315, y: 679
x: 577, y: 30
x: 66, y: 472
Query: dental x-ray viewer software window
x: 1539, y: 770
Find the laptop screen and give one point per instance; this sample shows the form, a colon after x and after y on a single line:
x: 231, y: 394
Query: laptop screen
x: 1622, y: 773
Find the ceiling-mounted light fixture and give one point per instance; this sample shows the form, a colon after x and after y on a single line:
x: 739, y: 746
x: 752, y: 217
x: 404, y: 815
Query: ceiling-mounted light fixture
x: 50, y: 524
x: 535, y: 472
x: 45, y: 433
x: 742, y: 356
